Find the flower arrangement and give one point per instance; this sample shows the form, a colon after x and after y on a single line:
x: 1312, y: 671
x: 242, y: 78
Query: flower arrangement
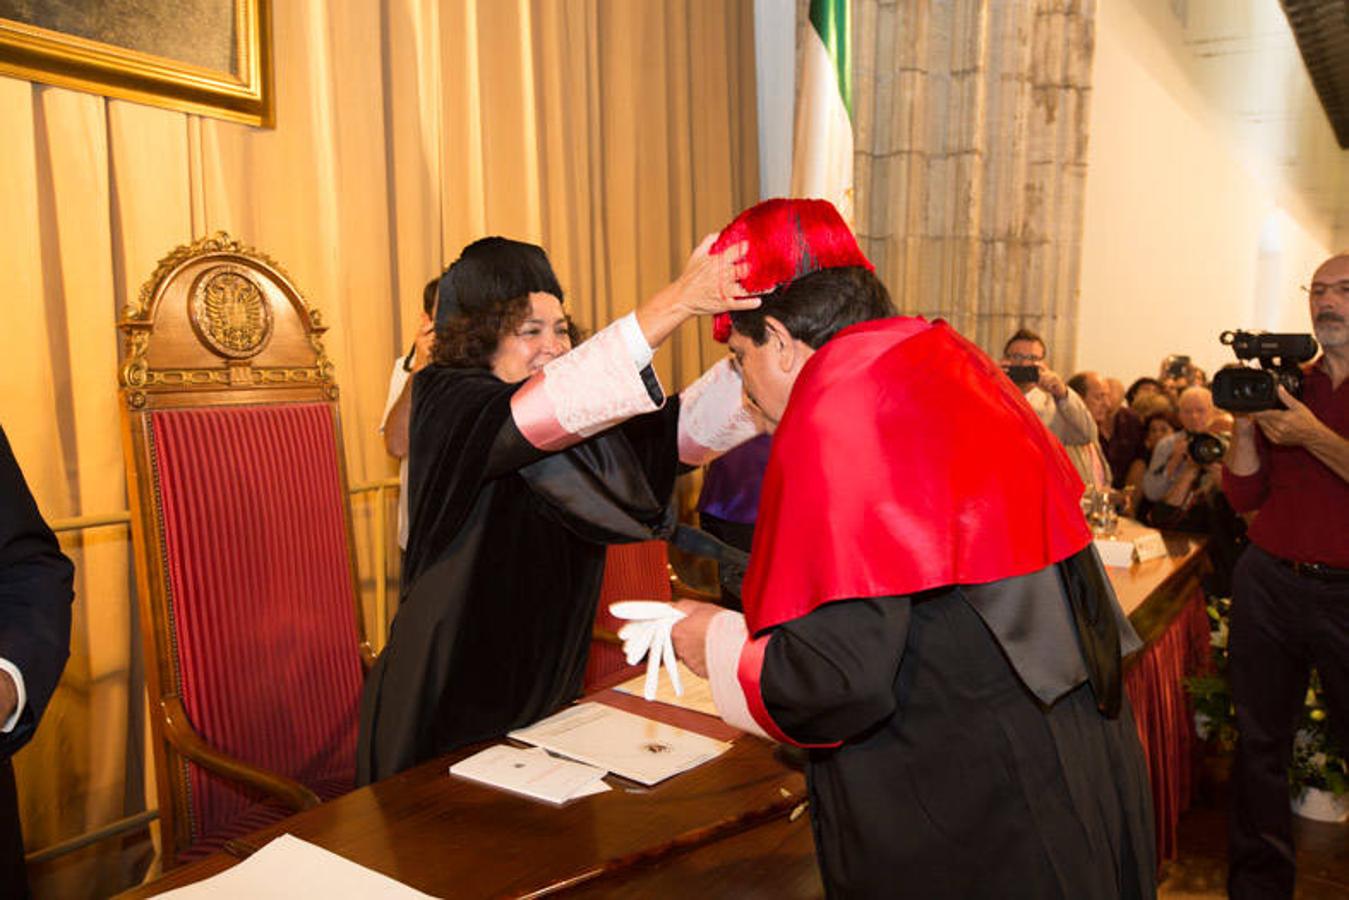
x: 1317, y: 762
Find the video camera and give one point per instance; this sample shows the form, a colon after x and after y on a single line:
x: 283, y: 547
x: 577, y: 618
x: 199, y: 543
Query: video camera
x: 1248, y: 389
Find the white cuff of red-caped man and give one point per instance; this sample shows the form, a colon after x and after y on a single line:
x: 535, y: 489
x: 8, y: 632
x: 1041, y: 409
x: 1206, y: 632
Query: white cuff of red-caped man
x: 6, y: 666
x: 726, y: 636
x: 712, y: 415
x: 593, y: 387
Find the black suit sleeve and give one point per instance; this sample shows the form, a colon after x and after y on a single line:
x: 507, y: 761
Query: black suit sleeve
x: 35, y: 598
x: 830, y: 675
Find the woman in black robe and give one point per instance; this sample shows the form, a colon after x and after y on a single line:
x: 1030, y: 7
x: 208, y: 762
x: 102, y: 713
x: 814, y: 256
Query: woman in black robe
x: 526, y: 458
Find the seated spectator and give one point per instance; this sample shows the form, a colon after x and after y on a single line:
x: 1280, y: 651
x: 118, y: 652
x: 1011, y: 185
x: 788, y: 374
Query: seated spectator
x: 1157, y: 425
x: 1187, y: 496
x: 1061, y: 410
x: 1121, y: 432
x: 1141, y: 388
x: 1115, y: 388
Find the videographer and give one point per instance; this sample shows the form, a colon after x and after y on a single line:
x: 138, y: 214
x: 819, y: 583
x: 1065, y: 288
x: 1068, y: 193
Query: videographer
x: 1290, y: 608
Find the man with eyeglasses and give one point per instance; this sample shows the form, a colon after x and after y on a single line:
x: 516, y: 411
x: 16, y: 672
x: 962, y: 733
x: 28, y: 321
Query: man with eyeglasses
x: 1290, y: 595
x: 1062, y: 411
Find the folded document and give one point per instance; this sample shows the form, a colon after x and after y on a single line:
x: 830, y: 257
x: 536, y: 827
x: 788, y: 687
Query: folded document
x: 532, y: 772
x: 288, y: 868
x: 637, y: 748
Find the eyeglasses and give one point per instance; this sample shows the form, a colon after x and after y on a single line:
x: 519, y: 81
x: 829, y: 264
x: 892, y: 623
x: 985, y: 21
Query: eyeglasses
x: 1319, y: 288
x: 1024, y: 358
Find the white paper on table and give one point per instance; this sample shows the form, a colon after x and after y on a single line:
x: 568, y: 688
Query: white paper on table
x: 697, y: 694
x: 637, y: 748
x: 533, y: 773
x: 289, y: 868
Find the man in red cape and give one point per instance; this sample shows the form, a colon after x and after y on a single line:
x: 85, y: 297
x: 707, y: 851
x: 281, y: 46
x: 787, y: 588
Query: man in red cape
x: 924, y: 610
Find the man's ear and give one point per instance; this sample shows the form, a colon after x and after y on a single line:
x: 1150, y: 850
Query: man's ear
x: 784, y: 346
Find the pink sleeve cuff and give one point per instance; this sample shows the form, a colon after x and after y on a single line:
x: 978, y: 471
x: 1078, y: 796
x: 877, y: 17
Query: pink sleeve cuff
x: 712, y: 415
x: 592, y: 388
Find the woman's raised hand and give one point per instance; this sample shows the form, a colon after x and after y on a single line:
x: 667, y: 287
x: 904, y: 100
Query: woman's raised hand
x: 709, y: 284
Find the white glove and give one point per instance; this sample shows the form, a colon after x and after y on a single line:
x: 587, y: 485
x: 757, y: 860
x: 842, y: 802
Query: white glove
x: 648, y: 634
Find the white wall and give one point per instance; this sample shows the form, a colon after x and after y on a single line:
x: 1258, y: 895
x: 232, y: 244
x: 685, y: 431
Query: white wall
x: 1188, y: 229
x: 775, y: 69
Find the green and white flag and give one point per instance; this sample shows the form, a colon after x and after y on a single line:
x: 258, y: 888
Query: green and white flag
x: 822, y: 149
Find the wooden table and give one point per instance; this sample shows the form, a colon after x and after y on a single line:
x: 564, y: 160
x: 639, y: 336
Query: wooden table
x: 1152, y: 592
x: 450, y: 837
x: 723, y: 830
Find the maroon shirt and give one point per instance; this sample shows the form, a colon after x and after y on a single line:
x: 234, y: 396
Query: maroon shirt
x: 1303, y: 505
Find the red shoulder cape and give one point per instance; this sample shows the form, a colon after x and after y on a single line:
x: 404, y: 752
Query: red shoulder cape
x: 905, y: 460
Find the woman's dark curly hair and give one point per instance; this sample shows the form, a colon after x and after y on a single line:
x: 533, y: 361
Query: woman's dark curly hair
x: 484, y: 294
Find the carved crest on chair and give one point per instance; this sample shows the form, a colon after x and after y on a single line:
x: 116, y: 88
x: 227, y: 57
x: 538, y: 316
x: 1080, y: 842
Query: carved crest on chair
x: 229, y: 312
x: 208, y: 319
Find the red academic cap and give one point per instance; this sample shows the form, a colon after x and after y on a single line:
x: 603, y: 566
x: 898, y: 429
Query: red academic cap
x: 787, y: 239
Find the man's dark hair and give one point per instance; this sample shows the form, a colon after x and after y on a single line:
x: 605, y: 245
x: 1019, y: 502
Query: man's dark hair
x: 1079, y: 384
x: 1140, y: 383
x: 815, y: 307
x: 429, y: 295
x: 1023, y: 334
x: 484, y: 294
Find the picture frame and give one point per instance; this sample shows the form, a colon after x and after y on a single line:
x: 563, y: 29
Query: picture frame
x: 148, y: 51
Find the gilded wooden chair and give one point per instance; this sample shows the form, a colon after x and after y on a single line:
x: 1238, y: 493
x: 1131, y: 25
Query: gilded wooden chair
x: 241, y: 525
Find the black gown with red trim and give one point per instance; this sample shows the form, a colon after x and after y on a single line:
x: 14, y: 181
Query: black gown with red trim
x: 505, y: 556
x: 928, y: 616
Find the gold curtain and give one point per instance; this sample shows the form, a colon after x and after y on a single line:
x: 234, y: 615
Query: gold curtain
x: 614, y: 133
x: 971, y: 158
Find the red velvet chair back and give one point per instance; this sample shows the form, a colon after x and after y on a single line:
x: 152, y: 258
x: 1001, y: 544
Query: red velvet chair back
x: 631, y: 572
x: 242, y: 532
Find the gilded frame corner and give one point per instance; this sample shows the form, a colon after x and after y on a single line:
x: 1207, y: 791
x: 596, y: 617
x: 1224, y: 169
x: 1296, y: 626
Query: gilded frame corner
x: 245, y: 95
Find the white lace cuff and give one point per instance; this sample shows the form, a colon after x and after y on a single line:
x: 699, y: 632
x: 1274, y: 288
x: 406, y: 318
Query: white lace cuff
x: 14, y: 673
x: 712, y: 415
x: 592, y: 388
x: 726, y: 636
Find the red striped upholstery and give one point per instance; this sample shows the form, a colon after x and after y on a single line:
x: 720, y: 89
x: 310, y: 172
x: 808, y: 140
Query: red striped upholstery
x: 261, y: 596
x: 631, y: 572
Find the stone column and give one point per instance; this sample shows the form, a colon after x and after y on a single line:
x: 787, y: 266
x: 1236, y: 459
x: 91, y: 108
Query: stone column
x: 971, y: 140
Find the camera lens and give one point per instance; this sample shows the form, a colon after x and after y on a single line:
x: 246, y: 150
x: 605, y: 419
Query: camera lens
x: 1206, y: 448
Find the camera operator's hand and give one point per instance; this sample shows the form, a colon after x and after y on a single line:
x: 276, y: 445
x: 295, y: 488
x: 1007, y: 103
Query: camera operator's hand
x: 1296, y: 426
x: 1180, y: 455
x: 1051, y: 383
x: 426, y: 337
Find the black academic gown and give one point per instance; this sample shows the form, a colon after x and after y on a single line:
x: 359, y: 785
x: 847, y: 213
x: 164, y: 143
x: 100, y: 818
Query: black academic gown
x: 35, y: 597
x: 953, y: 780
x: 505, y: 556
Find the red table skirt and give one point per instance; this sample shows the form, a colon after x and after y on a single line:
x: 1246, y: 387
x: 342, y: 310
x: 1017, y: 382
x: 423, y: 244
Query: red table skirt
x: 1156, y: 688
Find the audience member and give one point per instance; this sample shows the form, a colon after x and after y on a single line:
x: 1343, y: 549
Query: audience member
x: 1115, y: 388
x: 1156, y: 426
x: 398, y: 405
x: 1143, y: 387
x: 1120, y: 430
x: 1061, y: 410
x: 35, y: 597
